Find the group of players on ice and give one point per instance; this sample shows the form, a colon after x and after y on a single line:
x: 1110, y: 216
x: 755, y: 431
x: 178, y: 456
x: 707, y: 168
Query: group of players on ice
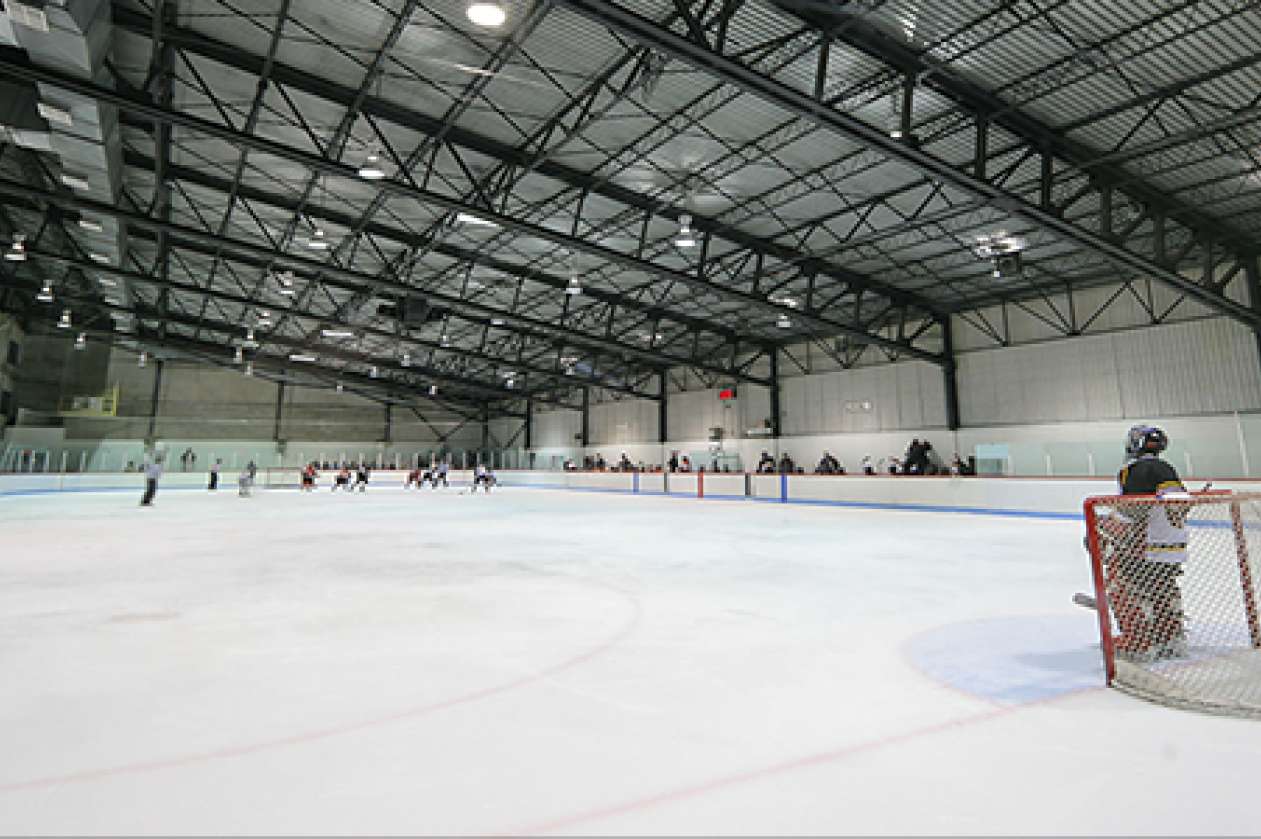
x: 434, y: 475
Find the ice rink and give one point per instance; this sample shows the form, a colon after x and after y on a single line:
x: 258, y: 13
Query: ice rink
x: 542, y: 661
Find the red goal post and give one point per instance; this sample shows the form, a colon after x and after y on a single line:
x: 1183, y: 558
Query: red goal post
x: 1176, y: 592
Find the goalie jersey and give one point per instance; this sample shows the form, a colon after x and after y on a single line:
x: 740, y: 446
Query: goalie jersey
x: 1165, y: 525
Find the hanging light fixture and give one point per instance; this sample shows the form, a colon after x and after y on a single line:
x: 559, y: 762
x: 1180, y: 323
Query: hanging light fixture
x: 574, y: 288
x: 433, y: 390
x: 407, y: 359
x: 249, y: 368
x: 264, y: 317
x: 142, y: 359
x: 686, y: 238
x: 373, y: 372
x: 340, y: 387
x: 238, y: 357
x: 64, y: 323
x: 489, y: 15
x: 46, y: 292
x: 81, y: 343
x: 16, y: 251
x: 371, y: 169
x: 784, y: 322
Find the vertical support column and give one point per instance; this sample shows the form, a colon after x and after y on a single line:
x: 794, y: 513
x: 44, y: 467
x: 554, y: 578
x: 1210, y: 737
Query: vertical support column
x: 280, y: 410
x: 1252, y: 274
x: 586, y: 417
x: 907, y: 107
x: 388, y: 436
x: 529, y: 424
x: 949, y: 372
x: 157, y: 394
x: 982, y: 150
x: 485, y: 430
x: 663, y: 412
x: 776, y: 424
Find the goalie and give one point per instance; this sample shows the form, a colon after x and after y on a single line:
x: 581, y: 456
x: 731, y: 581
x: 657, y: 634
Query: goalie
x: 1144, y: 546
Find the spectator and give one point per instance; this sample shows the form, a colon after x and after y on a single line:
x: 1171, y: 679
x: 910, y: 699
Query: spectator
x: 600, y: 463
x: 625, y: 464
x: 869, y: 468
x: 829, y: 465
x: 786, y: 464
x: 214, y: 474
x: 685, y: 465
x: 673, y: 463
x: 766, y: 464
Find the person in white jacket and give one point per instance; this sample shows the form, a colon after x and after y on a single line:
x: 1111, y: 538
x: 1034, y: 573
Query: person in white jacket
x: 152, y: 472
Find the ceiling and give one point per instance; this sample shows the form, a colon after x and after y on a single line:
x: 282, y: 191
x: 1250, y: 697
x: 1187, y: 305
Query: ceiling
x: 853, y: 173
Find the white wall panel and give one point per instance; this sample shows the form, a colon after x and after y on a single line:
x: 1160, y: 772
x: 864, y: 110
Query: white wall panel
x: 892, y: 396
x: 557, y: 429
x: 1196, y: 367
x: 627, y: 421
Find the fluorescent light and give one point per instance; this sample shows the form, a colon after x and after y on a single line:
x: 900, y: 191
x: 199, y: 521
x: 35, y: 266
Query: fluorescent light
x: 373, y: 372
x: 239, y: 356
x: 686, y: 238
x: 433, y: 390
x: 783, y: 322
x: 75, y: 181
x: 91, y: 226
x: 16, y: 251
x: 407, y: 359
x: 107, y: 282
x: 489, y: 15
x: 45, y: 294
x: 337, y: 333
x: 142, y: 359
x: 496, y: 321
x: 52, y: 113
x: 297, y: 356
x: 511, y: 382
x: 64, y: 323
x: 27, y: 15
x: 113, y: 301
x: 574, y: 286
x: 476, y: 221
x: 81, y: 342
x: 371, y: 169
x: 317, y: 242
x: 98, y: 257
x: 249, y: 368
x: 288, y: 292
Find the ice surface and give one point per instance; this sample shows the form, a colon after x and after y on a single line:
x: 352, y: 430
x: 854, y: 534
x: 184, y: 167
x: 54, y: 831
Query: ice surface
x: 545, y: 661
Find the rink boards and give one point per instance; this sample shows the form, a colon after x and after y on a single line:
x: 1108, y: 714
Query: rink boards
x: 1054, y: 497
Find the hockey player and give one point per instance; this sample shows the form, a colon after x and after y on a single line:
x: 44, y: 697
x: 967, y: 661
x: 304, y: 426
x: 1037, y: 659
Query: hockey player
x: 483, y: 477
x: 413, y: 479
x: 1145, y: 546
x: 308, y: 477
x: 342, y: 480
x: 152, y: 472
x: 362, y: 473
x: 440, y: 474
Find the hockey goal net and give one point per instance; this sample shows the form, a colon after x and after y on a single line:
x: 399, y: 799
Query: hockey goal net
x: 281, y: 478
x: 1176, y: 589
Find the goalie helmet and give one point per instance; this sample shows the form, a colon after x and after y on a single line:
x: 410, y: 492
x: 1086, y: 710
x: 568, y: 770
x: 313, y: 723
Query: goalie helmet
x: 1145, y: 439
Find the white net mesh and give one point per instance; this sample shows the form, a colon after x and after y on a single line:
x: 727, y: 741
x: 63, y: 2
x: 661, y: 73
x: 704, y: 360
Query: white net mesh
x: 1177, y: 585
x: 281, y: 478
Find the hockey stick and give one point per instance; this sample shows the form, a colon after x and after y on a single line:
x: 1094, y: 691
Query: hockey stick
x: 1085, y: 600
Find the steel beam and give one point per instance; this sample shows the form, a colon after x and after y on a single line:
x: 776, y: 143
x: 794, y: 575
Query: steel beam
x: 708, y: 60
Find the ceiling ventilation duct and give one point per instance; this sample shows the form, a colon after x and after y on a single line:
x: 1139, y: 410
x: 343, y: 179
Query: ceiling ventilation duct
x: 71, y: 37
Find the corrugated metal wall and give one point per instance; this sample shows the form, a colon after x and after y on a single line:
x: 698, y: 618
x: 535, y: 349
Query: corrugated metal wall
x: 1198, y: 367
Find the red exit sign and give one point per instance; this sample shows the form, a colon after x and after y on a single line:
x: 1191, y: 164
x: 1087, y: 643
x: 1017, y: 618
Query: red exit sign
x: 727, y: 393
